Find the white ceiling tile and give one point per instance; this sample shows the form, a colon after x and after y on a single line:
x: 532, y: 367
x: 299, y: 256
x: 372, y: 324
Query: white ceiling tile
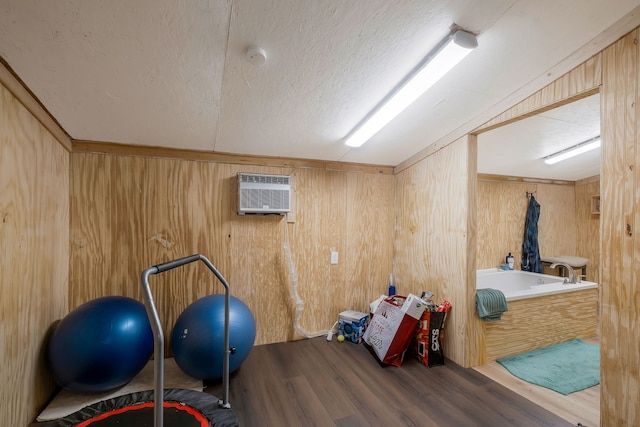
x: 175, y: 74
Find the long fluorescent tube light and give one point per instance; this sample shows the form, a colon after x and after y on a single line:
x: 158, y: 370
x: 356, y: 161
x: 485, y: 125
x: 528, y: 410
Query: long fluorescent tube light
x: 567, y: 153
x: 443, y: 58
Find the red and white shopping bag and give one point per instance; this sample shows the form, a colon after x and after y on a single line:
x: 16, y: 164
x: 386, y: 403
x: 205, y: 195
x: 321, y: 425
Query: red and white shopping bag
x: 391, y: 330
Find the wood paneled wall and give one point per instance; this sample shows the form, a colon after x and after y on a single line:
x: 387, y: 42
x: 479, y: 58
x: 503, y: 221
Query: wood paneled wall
x: 618, y: 76
x: 620, y: 234
x: 588, y: 226
x: 502, y: 208
x: 129, y: 213
x: 34, y: 258
x: 435, y: 238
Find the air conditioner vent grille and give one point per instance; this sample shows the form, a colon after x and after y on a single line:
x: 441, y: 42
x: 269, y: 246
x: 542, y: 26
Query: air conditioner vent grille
x: 264, y: 199
x: 265, y: 179
x: 264, y: 194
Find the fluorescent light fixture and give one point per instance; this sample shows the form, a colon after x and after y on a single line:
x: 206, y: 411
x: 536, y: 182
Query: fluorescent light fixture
x: 567, y: 153
x: 443, y: 58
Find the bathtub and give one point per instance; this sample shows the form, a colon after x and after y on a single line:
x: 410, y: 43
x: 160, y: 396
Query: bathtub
x: 542, y: 311
x: 517, y: 284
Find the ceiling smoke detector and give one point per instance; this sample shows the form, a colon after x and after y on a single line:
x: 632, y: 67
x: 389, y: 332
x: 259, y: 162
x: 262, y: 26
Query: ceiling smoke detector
x: 256, y: 56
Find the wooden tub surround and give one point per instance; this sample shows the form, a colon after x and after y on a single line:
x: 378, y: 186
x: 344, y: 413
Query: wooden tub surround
x: 541, y: 321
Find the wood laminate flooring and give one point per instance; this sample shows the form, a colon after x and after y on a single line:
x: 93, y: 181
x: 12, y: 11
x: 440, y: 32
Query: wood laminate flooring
x: 580, y: 407
x: 314, y: 382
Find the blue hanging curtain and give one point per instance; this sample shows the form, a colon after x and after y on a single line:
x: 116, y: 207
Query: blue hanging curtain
x: 530, y: 249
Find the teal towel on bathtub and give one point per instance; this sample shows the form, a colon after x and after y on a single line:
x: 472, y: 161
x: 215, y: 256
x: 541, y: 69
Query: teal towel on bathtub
x: 490, y: 304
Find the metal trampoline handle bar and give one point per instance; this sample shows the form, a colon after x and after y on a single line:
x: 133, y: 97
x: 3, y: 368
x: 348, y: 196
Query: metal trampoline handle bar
x: 158, y: 347
x: 156, y: 326
x: 165, y: 266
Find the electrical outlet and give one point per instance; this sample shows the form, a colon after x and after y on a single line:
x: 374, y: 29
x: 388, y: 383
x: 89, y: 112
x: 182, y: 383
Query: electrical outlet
x: 334, y: 257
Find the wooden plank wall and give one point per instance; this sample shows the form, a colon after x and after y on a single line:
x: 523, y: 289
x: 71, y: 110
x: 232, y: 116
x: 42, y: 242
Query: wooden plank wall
x: 434, y: 199
x: 34, y: 258
x: 502, y: 208
x: 588, y: 226
x: 129, y: 213
x: 620, y: 231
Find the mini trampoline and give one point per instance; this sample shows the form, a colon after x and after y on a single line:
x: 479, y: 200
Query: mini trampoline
x: 182, y: 408
x: 160, y: 407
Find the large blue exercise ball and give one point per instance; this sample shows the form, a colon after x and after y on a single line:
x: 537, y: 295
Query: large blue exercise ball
x: 101, y: 345
x: 197, y: 341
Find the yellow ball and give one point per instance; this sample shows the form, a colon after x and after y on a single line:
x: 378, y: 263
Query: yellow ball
x: 340, y: 338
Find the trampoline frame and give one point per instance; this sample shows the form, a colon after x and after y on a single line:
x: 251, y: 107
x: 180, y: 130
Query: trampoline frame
x: 154, y: 319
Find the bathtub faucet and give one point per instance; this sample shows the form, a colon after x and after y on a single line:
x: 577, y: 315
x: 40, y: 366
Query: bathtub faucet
x: 572, y: 277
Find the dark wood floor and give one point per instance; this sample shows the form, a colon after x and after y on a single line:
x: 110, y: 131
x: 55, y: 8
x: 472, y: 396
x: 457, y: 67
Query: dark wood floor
x: 318, y: 383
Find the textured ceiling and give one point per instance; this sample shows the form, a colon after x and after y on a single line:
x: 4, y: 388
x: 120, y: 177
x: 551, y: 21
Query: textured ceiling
x: 175, y: 74
x: 517, y: 149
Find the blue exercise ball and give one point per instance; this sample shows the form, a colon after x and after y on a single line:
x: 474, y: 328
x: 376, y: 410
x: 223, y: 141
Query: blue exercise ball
x: 197, y: 341
x: 101, y: 345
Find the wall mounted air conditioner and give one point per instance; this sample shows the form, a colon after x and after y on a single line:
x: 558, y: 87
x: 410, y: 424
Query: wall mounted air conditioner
x: 263, y: 194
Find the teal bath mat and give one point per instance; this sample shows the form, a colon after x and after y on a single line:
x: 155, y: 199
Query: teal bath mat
x: 567, y: 367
